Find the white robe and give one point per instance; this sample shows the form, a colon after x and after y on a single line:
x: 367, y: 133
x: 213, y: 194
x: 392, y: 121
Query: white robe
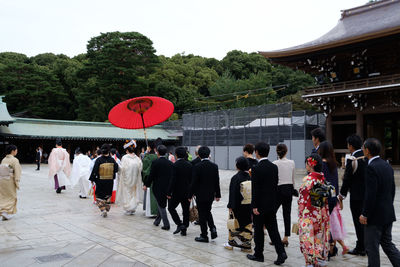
x: 59, y: 164
x: 80, y: 174
x: 130, y: 188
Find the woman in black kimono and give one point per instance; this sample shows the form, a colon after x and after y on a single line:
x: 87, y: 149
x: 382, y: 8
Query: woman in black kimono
x: 240, y: 207
x: 103, y: 175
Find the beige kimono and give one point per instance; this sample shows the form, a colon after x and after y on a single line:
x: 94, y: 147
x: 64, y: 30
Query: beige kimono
x: 9, y: 186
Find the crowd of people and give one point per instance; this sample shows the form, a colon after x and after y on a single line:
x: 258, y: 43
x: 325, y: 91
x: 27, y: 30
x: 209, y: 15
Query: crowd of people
x: 163, y: 181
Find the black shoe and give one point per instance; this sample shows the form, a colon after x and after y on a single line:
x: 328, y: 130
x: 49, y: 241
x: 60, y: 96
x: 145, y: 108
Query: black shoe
x: 82, y: 197
x: 183, y: 231
x: 281, y: 259
x: 37, y: 169
x: 214, y: 233
x: 201, y: 239
x: 178, y: 229
x: 196, y: 223
x: 156, y: 223
x: 333, y: 254
x: 58, y: 191
x: 166, y: 228
x: 357, y: 252
x: 254, y: 258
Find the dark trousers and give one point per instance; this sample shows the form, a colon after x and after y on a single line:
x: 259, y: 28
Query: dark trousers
x: 356, y: 209
x: 376, y: 235
x: 172, y: 204
x: 162, y: 215
x: 38, y: 164
x: 285, y: 192
x: 269, y: 220
x: 205, y: 216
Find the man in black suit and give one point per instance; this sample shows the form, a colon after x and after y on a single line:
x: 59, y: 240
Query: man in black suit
x: 38, y: 157
x: 161, y: 175
x: 178, y: 191
x: 353, y: 181
x: 205, y: 187
x: 264, y: 178
x: 317, y: 137
x: 378, y: 211
x: 197, y: 159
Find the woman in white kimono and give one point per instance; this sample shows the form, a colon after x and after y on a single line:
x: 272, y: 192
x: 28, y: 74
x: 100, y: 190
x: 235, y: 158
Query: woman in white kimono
x: 130, y: 186
x: 10, y: 175
x: 81, y: 172
x: 59, y: 167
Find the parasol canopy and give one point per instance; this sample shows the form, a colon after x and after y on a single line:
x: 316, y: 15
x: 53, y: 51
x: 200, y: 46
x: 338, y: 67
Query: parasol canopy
x: 141, y: 112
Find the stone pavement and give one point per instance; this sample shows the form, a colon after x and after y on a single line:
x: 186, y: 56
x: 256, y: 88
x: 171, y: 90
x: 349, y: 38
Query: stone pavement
x: 63, y: 230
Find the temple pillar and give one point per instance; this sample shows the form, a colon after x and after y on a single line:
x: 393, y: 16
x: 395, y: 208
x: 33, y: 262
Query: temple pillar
x: 329, y: 127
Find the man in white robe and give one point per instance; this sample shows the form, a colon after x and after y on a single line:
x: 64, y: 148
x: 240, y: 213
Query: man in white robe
x: 59, y: 167
x: 130, y: 186
x: 81, y: 172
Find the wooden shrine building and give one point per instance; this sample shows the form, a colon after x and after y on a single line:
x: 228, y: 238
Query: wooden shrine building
x: 357, y: 68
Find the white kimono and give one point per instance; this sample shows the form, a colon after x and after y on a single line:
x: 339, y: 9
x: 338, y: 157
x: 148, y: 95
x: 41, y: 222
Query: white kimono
x: 130, y: 188
x: 59, y: 165
x: 80, y: 174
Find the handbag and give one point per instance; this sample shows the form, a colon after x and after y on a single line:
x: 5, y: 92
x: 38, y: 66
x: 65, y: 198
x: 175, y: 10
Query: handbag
x: 193, y: 212
x: 295, y: 228
x: 232, y: 222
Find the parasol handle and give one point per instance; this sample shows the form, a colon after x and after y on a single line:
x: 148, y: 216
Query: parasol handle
x: 144, y: 129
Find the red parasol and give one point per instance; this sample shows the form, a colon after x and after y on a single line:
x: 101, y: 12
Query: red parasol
x: 141, y: 112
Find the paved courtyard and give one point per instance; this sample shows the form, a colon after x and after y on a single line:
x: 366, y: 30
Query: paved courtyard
x: 63, y: 230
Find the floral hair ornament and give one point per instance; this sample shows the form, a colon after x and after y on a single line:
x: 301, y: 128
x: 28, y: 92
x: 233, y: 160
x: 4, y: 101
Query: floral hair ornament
x: 311, y: 162
x: 130, y: 143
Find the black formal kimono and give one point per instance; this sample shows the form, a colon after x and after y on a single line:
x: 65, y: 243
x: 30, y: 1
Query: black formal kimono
x: 242, y: 236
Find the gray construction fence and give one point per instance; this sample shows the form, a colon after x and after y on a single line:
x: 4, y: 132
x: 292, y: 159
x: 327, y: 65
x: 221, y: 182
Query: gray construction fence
x: 226, y: 131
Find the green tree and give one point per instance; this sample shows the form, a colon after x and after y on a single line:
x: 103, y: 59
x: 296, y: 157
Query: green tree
x: 117, y: 68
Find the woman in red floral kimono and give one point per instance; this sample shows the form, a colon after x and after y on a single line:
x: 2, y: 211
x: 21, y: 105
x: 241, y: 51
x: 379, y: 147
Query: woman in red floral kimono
x: 313, y: 216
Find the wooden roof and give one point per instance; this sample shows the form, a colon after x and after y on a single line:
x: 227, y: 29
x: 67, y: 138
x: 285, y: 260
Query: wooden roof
x: 370, y: 21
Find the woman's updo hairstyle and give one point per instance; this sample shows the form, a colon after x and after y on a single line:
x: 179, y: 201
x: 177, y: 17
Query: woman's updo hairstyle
x: 281, y: 150
x: 315, y: 161
x: 242, y: 164
x: 10, y: 148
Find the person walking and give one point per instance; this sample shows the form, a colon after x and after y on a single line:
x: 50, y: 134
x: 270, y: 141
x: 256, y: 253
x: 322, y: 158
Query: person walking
x: 313, y: 216
x: 378, y: 212
x: 103, y: 175
x: 129, y: 191
x: 149, y: 206
x: 81, y: 172
x: 178, y: 190
x: 205, y: 187
x: 10, y: 176
x: 59, y: 167
x: 286, y: 168
x: 38, y: 158
x: 264, y: 177
x: 354, y: 182
x: 160, y: 176
x: 239, y: 206
x: 248, y: 151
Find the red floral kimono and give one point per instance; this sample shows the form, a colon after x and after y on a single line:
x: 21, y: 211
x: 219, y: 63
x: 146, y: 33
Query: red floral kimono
x: 313, y: 223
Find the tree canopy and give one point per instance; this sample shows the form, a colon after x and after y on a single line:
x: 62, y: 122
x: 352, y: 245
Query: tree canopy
x: 122, y: 65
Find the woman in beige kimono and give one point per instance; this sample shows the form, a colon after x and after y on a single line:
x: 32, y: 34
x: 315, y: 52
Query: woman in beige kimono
x: 10, y: 175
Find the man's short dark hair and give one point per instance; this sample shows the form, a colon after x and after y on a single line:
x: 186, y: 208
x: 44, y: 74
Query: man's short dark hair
x: 162, y: 150
x: 262, y: 148
x: 318, y: 133
x: 180, y: 152
x: 249, y: 148
x: 113, y: 151
x: 355, y: 141
x: 204, y: 152
x: 373, y: 145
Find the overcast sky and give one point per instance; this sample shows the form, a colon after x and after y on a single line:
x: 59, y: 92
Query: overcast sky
x: 209, y: 28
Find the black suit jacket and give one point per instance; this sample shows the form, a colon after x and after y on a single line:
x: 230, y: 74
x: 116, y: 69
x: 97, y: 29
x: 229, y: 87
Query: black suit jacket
x: 196, y: 161
x: 37, y: 156
x: 354, y: 182
x: 379, y: 193
x: 205, y: 183
x: 264, y: 186
x: 160, y: 176
x: 181, y: 179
